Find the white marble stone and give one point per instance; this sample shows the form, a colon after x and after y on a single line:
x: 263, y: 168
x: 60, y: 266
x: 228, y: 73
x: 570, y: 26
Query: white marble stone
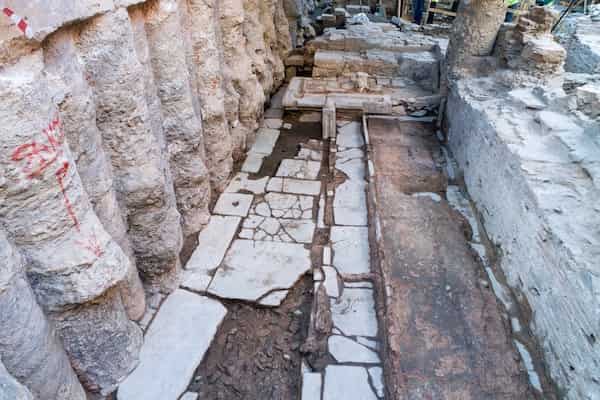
x: 233, y: 204
x: 302, y: 231
x: 213, y: 242
x: 376, y: 374
x: 297, y: 186
x: 354, y: 313
x: 300, y: 169
x: 274, y: 299
x: 326, y: 255
x: 433, y: 196
x: 311, y: 386
x: 309, y: 154
x: 350, y: 204
x: 332, y: 286
x: 265, y: 141
x: 173, y: 347
x: 272, y: 123
x: 372, y: 344
x: 311, y: 116
x: 252, y: 163
x: 347, y: 383
x: 189, y: 396
x: 534, y: 378
x: 353, y: 169
x: 242, y: 182
x: 287, y: 126
x: 275, y: 185
x: 252, y: 269
x: 350, y: 135
x: 346, y: 350
x: 351, y: 249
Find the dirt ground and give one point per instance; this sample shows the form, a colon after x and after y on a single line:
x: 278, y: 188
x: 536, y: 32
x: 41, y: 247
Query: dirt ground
x: 255, y: 354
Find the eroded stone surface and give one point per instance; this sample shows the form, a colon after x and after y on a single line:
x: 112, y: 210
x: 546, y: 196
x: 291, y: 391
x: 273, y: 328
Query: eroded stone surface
x: 174, y: 346
x: 252, y: 269
x: 242, y: 182
x: 257, y: 227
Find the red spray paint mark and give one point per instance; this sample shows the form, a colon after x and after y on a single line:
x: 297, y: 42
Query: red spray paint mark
x: 39, y: 157
x: 21, y: 23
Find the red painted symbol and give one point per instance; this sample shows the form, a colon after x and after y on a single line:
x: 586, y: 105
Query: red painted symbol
x: 21, y: 23
x: 39, y: 157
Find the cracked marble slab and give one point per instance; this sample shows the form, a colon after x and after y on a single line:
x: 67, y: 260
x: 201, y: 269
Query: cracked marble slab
x: 282, y: 205
x: 300, y: 169
x: 354, y: 313
x: 257, y: 227
x: 252, y: 269
x: 294, y: 186
x: 265, y: 141
x: 242, y: 182
x: 346, y: 350
x: 213, y: 242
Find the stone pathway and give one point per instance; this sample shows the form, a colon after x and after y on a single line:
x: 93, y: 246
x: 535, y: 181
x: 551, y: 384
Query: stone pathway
x: 354, y: 370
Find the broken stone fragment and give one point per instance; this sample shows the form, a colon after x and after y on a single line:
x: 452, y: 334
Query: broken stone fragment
x: 29, y: 347
x: 588, y: 99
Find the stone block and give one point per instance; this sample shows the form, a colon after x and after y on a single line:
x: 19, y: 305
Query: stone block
x: 329, y: 119
x: 176, y: 341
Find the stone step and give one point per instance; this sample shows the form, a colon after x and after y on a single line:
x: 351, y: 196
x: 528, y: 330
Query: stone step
x: 174, y: 346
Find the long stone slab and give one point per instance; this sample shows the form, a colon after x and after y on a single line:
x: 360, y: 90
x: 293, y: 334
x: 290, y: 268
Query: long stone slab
x: 174, y: 346
x: 252, y: 269
x: 213, y: 242
x: 351, y: 249
x: 347, y: 383
x: 354, y: 313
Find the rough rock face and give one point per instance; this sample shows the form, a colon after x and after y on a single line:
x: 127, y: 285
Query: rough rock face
x: 117, y: 130
x: 106, y: 45
x: 37, y: 358
x: 200, y: 20
x: 238, y: 69
x: 540, y: 209
x: 76, y: 104
x: 45, y: 210
x: 182, y: 126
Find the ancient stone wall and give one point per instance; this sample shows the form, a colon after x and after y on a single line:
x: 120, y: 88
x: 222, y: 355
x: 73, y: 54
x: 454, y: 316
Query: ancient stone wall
x: 121, y: 119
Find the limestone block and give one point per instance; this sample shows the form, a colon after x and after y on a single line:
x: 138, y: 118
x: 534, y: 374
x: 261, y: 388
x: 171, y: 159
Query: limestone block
x: 329, y: 119
x: 11, y: 389
x: 106, y: 44
x: 182, y: 126
x: 102, y: 342
x: 29, y: 347
x: 543, y: 53
x: 44, y: 207
x: 273, y: 57
x: 201, y: 27
x: 76, y: 104
x: 238, y: 68
x: 282, y: 27
x: 255, y: 44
